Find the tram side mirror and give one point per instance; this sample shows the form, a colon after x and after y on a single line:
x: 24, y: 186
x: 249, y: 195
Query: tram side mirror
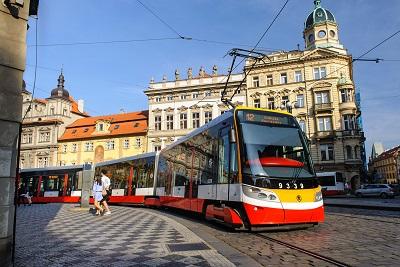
x: 232, y: 137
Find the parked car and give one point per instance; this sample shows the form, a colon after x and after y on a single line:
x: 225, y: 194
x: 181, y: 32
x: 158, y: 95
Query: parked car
x: 380, y: 190
x: 396, y: 189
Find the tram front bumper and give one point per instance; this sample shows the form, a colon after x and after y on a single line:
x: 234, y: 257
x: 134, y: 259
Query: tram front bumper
x: 285, y: 215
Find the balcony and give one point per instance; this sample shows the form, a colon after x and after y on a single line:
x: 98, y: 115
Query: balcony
x: 324, y: 134
x: 347, y: 106
x: 323, y: 107
x: 356, y: 133
x: 353, y: 162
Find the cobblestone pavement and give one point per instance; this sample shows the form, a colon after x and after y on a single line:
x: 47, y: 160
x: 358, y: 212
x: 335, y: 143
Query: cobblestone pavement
x: 61, y: 235
x: 354, y: 237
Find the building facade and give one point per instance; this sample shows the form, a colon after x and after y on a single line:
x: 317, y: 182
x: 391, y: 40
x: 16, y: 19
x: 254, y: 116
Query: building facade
x: 180, y: 106
x: 316, y: 85
x: 96, y: 139
x: 44, y: 122
x: 385, y: 167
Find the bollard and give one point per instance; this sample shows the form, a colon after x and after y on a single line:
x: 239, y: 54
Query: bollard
x: 87, y: 183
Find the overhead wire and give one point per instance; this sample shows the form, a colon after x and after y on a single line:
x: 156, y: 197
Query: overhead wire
x: 106, y: 42
x: 254, y: 48
x: 160, y: 19
x: 362, y: 55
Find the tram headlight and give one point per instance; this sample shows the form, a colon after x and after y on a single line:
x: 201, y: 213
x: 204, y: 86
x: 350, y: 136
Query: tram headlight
x: 318, y: 196
x: 260, y: 193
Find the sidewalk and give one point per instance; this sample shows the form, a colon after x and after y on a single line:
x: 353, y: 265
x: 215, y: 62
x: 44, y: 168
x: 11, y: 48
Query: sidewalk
x: 61, y: 235
x: 363, y: 203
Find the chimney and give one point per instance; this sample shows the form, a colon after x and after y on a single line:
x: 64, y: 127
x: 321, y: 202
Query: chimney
x: 81, y: 102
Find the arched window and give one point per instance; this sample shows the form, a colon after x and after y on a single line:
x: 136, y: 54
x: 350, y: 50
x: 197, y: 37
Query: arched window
x: 356, y: 152
x: 349, y: 152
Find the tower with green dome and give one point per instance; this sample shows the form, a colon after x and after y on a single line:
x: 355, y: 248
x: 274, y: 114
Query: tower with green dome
x: 321, y: 30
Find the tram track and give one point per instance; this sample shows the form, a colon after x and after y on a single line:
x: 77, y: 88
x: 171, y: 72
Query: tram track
x: 305, y: 251
x: 367, y: 219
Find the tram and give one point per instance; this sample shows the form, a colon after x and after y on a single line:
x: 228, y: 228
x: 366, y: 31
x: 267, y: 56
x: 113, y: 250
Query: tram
x: 248, y: 168
x: 53, y: 184
x: 332, y: 183
x: 132, y: 178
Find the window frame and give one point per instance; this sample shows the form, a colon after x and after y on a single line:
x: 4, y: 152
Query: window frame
x: 183, y: 121
x: 256, y: 81
x: 298, y: 76
x: 157, y: 123
x: 326, y: 121
x: 270, y: 80
x: 327, y: 152
x: 195, y: 120
x: 284, y: 78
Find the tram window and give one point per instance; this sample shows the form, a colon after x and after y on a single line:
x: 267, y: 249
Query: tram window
x: 234, y: 165
x: 180, y: 180
x: 142, y: 178
x: 150, y: 176
x: 135, y: 179
x: 223, y: 155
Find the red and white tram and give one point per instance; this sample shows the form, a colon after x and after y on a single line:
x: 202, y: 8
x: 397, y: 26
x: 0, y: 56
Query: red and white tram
x: 248, y: 167
x: 53, y: 184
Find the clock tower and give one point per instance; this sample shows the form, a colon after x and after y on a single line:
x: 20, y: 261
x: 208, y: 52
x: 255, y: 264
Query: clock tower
x: 321, y: 30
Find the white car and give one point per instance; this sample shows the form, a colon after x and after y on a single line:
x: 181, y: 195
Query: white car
x: 380, y: 190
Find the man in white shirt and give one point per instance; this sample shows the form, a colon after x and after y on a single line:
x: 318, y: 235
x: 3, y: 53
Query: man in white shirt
x: 106, y: 184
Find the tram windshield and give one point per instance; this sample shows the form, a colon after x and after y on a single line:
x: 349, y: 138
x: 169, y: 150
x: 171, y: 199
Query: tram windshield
x: 272, y: 146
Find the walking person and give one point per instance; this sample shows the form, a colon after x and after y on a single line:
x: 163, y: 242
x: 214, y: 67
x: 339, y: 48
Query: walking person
x: 97, y: 195
x: 106, y: 197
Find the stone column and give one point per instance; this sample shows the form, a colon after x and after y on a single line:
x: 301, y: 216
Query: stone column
x: 87, y: 183
x: 13, y: 28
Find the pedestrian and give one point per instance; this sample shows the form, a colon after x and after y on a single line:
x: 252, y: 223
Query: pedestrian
x: 23, y: 196
x: 97, y: 195
x: 106, y: 195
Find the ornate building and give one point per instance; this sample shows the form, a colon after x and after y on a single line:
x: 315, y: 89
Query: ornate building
x: 44, y: 122
x: 95, y: 139
x: 177, y: 107
x: 316, y: 85
x: 385, y: 167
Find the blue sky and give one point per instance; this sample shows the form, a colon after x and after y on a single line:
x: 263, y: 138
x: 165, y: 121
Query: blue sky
x: 112, y: 76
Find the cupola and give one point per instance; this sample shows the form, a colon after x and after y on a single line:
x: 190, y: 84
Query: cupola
x: 321, y: 30
x: 60, y: 91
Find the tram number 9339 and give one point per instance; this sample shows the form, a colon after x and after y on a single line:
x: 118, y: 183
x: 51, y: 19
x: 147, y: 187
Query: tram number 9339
x: 291, y: 186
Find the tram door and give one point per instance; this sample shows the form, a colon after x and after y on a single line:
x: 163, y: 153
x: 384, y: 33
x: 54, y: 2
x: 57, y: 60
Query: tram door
x: 223, y: 164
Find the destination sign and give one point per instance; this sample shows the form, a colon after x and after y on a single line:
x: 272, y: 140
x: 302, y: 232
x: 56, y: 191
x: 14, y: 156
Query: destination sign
x: 253, y: 116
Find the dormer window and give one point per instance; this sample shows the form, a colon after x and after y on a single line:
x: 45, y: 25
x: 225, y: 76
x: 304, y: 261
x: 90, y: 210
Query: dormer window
x: 100, y: 127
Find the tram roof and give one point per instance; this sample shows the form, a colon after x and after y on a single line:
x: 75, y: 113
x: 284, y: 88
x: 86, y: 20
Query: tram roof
x: 56, y: 168
x: 145, y: 155
x: 217, y: 120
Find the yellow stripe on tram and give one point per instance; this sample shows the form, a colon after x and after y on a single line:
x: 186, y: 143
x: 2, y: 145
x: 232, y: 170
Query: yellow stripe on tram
x: 291, y: 195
